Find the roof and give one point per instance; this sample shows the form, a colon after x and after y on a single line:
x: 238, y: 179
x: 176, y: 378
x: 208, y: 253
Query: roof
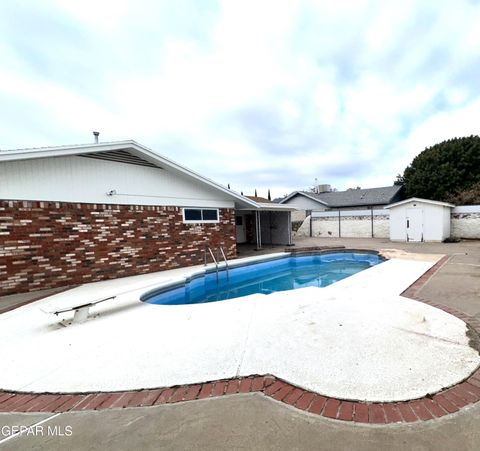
x: 268, y: 205
x: 352, y: 197
x: 126, y: 151
x: 259, y: 199
x: 129, y: 151
x: 271, y: 206
x: 420, y: 200
x: 308, y: 194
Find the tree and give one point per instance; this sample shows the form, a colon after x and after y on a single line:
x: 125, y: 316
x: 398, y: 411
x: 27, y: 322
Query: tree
x: 443, y: 170
x: 469, y: 196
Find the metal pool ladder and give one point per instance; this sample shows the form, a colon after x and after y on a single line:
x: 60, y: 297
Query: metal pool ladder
x: 226, y: 262
x: 216, y: 262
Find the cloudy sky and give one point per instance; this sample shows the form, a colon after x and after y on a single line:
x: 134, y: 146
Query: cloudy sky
x: 258, y: 94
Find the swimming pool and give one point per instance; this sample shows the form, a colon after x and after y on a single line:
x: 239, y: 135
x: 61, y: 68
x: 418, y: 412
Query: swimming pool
x: 278, y: 274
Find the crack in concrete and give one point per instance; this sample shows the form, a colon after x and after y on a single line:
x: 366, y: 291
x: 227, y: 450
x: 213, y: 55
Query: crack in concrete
x: 446, y: 340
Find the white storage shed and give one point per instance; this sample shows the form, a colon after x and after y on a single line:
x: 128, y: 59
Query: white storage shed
x: 418, y: 219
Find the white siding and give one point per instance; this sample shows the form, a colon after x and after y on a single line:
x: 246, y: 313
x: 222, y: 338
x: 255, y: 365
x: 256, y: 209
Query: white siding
x: 398, y: 227
x: 432, y: 222
x: 304, y: 203
x: 87, y: 180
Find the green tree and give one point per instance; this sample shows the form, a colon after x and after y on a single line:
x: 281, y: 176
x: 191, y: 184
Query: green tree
x: 444, y: 170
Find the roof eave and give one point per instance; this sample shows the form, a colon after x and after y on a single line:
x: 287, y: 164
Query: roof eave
x: 419, y: 199
x: 80, y: 149
x: 359, y: 205
x: 290, y: 196
x: 77, y: 149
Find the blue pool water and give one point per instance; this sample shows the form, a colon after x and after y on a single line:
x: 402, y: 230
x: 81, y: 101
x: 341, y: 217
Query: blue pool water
x: 279, y: 274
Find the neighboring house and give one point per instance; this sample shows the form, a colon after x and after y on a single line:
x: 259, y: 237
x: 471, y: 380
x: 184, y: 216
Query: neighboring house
x: 76, y: 214
x: 342, y: 200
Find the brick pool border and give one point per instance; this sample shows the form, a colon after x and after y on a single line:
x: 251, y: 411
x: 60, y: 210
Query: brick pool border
x: 440, y: 404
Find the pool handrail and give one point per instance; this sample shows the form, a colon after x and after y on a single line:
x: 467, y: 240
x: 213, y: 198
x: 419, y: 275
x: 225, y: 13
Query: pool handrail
x: 215, y: 261
x: 226, y: 262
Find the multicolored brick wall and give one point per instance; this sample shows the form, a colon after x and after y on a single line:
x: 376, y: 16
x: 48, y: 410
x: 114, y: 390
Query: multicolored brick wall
x: 55, y: 244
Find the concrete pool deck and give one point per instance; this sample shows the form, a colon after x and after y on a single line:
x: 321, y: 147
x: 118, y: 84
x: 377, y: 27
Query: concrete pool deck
x: 387, y: 347
x: 258, y: 422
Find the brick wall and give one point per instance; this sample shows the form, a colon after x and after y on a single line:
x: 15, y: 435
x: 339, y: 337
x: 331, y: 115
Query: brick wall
x: 54, y: 244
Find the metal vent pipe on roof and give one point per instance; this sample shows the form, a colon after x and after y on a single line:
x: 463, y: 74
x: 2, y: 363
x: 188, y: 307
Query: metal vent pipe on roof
x: 95, y: 136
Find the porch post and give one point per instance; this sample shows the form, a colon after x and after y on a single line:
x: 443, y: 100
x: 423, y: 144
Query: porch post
x: 339, y: 225
x: 371, y: 218
x: 289, y: 228
x: 259, y: 229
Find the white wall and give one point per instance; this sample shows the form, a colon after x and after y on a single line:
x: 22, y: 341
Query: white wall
x: 87, y: 180
x: 446, y: 223
x: 321, y: 227
x: 299, y: 215
x: 461, y: 222
x: 353, y: 224
x: 465, y: 222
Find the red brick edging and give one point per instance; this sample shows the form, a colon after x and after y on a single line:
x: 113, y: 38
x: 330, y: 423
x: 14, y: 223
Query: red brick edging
x: 443, y: 403
x: 436, y: 406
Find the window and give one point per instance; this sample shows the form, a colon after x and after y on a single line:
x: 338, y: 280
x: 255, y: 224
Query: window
x: 206, y: 215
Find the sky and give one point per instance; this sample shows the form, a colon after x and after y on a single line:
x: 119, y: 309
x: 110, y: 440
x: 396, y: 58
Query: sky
x: 276, y: 95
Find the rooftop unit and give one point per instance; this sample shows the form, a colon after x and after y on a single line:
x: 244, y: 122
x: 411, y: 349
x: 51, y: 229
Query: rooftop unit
x: 325, y: 188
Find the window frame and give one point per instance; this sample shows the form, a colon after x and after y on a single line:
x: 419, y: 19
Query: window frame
x: 201, y: 221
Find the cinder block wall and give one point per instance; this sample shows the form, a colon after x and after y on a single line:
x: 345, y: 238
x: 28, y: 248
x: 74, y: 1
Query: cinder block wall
x: 350, y: 227
x: 465, y: 225
x: 55, y: 244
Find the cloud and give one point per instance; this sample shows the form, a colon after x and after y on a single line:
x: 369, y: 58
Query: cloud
x: 258, y: 94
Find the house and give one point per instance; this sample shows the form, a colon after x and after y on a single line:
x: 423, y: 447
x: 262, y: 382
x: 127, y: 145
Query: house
x: 82, y: 213
x: 342, y: 200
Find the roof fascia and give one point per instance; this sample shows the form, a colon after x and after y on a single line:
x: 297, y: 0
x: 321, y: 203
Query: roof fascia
x: 419, y: 199
x: 290, y: 196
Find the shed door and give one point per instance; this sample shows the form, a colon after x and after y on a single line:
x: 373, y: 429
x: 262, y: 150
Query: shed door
x: 414, y: 224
